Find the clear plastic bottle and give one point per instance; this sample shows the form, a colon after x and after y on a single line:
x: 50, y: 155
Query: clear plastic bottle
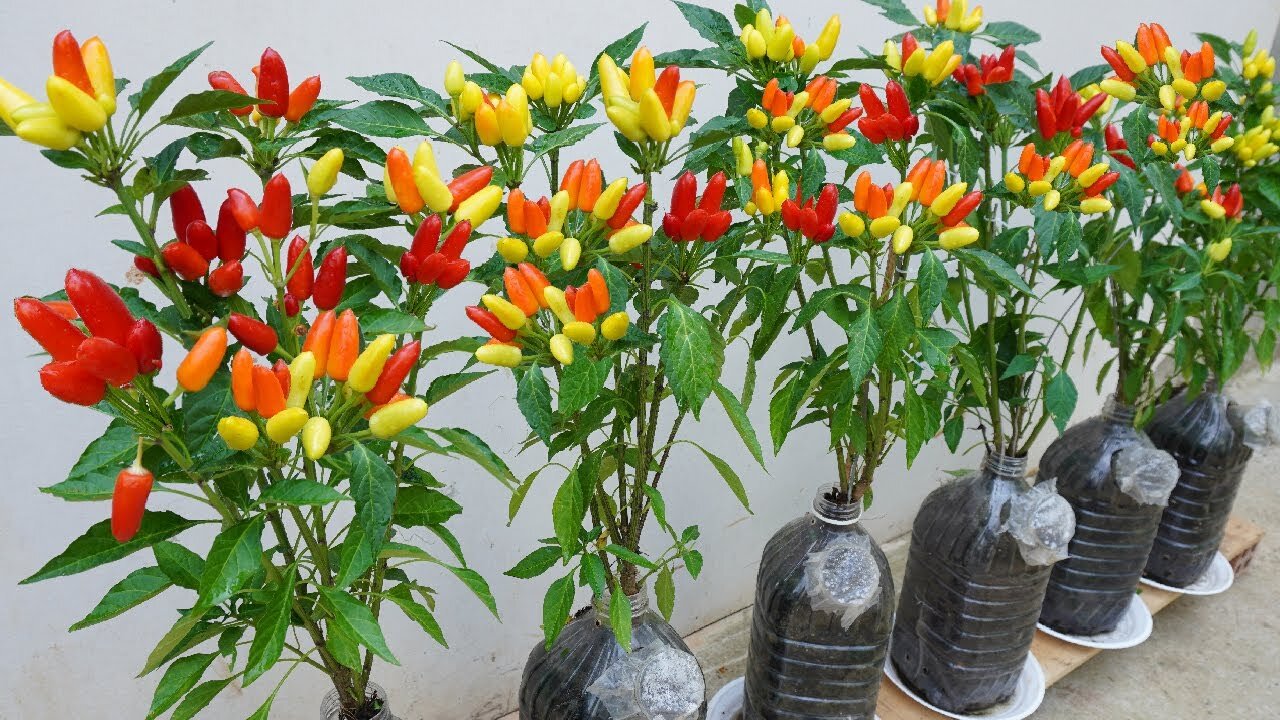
x: 588, y: 676
x: 821, y: 621
x: 331, y: 708
x: 1118, y: 484
x: 1201, y: 434
x: 981, y: 550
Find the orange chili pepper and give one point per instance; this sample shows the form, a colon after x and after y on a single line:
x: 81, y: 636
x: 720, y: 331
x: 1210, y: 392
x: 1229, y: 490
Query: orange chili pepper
x: 536, y: 281
x: 198, y: 367
x: 592, y: 185
x: 68, y: 62
x: 862, y: 190
x: 933, y: 183
x: 876, y: 205
x: 1147, y: 45
x: 267, y: 392
x: 519, y: 292
x: 770, y: 92
x: 535, y: 223
x: 572, y: 181
x: 584, y: 306
x: 515, y: 211
x: 759, y: 177
x: 1026, y: 159
x: 1160, y: 38
x: 319, y: 337
x: 599, y: 291
x: 242, y: 381
x: 400, y: 172
x: 1082, y: 161
x: 917, y: 175
x: 1208, y: 59
x: 344, y: 348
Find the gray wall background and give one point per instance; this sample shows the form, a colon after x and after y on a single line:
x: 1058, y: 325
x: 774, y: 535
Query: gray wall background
x: 49, y: 226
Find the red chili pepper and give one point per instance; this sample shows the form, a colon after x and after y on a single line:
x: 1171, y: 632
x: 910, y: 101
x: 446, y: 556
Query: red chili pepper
x: 185, y: 207
x: 146, y: 345
x: 331, y: 279
x: 536, y: 281
x: 394, y: 372
x: 469, y: 183
x: 844, y: 120
x: 1089, y: 107
x: 427, y: 237
x: 146, y: 265
x: 303, y: 98
x: 223, y: 80
x: 107, y: 360
x: 713, y: 195
x: 280, y: 369
x: 490, y: 324
x: 227, y: 279
x: 1103, y: 183
x: 429, y: 269
x: 253, y: 333
x: 101, y: 309
x: 695, y: 223
x: 631, y: 200
x: 273, y: 84
x: 231, y: 239
x: 671, y: 225
x: 684, y: 195
x: 409, y: 266
x: 276, y: 212
x: 455, y: 271
x: 244, y: 209
x: 717, y: 225
x: 666, y: 85
x: 1117, y: 64
x: 56, y: 334
x: 458, y: 237
x: 68, y: 62
x: 827, y: 201
x: 966, y: 205
x: 1045, y: 118
x: 870, y: 103
x: 896, y: 98
x: 300, y: 270
x: 129, y: 501
x: 291, y: 305
x: 268, y: 396
x: 70, y: 382
x: 790, y: 212
x: 201, y: 237
x: 184, y: 261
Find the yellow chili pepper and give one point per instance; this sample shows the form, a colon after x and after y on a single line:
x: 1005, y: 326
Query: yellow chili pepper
x: 562, y: 349
x: 499, y: 355
x: 902, y: 239
x: 324, y: 173
x: 607, y: 203
x: 570, y: 253
x: 316, y: 435
x: 1214, y: 210
x: 794, y: 136
x: 1219, y: 251
x: 957, y: 237
x: 653, y: 117
x: 368, y: 366
x: 302, y: 373
x: 454, y: 79
x: 97, y: 63
x: 1093, y: 174
x: 851, y: 224
x: 49, y: 132
x: 629, y: 238
x: 487, y: 128
x: 1134, y: 59
x: 238, y: 433
x: 513, y: 250
x: 508, y: 314
x: 838, y: 141
x: 901, y: 196
x: 827, y: 38
x: 285, y: 424
x: 547, y: 243
x: 742, y: 157
x: 947, y: 199
x: 1095, y: 206
x: 559, y: 210
x: 74, y: 106
x: 394, y: 418
x: 615, y: 326
x: 12, y: 98
x: 1052, y: 199
x: 480, y: 207
x: 682, y: 105
x: 883, y: 227
x: 583, y: 333
x: 1119, y: 89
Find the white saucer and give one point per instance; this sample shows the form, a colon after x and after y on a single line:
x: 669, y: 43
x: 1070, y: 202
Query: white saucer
x: 1026, y: 699
x: 1133, y: 629
x: 727, y: 704
x: 1217, y: 579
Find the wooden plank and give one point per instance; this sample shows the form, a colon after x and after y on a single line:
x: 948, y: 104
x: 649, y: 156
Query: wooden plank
x: 1059, y: 657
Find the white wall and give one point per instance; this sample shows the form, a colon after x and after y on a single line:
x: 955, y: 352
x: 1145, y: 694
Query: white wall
x: 48, y: 226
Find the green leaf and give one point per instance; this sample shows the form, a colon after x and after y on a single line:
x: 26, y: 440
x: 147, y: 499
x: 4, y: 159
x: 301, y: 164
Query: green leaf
x: 188, y: 632
x: 373, y: 485
x: 693, y: 353
x: 384, y: 274
x: 271, y: 628
x: 571, y: 135
x: 138, y: 587
x: 469, y: 445
x: 713, y: 26
x: 420, y: 507
x: 897, y: 326
x: 98, y: 547
x: 556, y: 606
x: 354, y: 618
x: 199, y: 698
x: 730, y: 477
x: 894, y: 11
x: 404, y: 86
x: 383, y: 118
x: 301, y: 491
x: 236, y: 555
x: 445, y: 385
x: 477, y: 585
x: 1019, y: 365
x: 567, y: 511
x: 264, y: 710
x: 382, y: 321
x: 936, y: 345
x: 535, y: 563
x: 1010, y: 33
x: 93, y: 477
x: 181, y: 676
x: 820, y: 301
x: 182, y: 566
x: 403, y: 598
x: 207, y: 101
x: 533, y: 396
x: 154, y: 86
x: 738, y: 417
x: 1060, y: 399
x: 865, y: 341
x: 620, y: 619
x: 630, y: 557
x: 932, y: 283
x: 921, y: 420
x: 665, y: 589
x: 984, y: 261
x: 581, y: 382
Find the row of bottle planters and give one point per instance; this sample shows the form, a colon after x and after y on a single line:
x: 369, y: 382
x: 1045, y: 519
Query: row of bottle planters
x: 992, y: 555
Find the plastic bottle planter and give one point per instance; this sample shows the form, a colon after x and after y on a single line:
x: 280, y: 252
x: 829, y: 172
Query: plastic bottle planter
x: 588, y: 676
x: 1118, y: 483
x: 1209, y: 447
x: 331, y: 708
x: 981, y: 550
x: 820, y: 626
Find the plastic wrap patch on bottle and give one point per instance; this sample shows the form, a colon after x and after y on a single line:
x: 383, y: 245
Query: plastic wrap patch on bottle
x: 843, y: 579
x: 1146, y: 474
x: 1042, y: 522
x: 656, y: 683
x: 1261, y: 425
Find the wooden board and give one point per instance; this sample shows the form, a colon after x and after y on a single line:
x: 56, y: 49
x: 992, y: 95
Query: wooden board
x: 1058, y: 657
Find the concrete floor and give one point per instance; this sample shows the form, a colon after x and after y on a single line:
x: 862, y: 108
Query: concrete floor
x: 1215, y: 657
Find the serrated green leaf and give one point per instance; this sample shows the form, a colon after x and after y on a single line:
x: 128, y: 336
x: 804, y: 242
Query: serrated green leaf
x: 1060, y: 399
x: 865, y: 342
x: 533, y: 397
x: 420, y: 507
x: 373, y: 486
x: 236, y: 555
x: 693, y: 354
x: 182, y: 566
x: 581, y: 382
x: 383, y: 118
x: 93, y: 477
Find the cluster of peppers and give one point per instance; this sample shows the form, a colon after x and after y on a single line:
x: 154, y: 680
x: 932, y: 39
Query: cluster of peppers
x: 642, y: 105
x: 573, y: 221
x: 492, y: 118
x: 553, y: 84
x: 953, y: 15
x: 272, y: 87
x: 416, y: 186
x: 1064, y: 111
x: 1173, y: 136
x: 81, y: 96
x: 117, y: 348
x: 692, y: 218
x: 1143, y: 73
x: 196, y: 244
x: 812, y: 112
x: 990, y: 70
x: 774, y: 42
x: 882, y: 124
x: 507, y: 320
x: 428, y: 262
x: 912, y: 60
x: 1259, y: 142
x: 942, y: 209
x: 1071, y: 180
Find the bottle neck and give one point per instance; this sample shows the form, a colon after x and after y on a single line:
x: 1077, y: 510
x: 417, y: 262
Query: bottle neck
x: 1116, y: 411
x: 639, y: 605
x: 1006, y: 467
x: 830, y: 507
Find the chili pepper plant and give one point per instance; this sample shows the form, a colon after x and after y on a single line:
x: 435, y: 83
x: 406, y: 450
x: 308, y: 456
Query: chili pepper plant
x: 294, y: 424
